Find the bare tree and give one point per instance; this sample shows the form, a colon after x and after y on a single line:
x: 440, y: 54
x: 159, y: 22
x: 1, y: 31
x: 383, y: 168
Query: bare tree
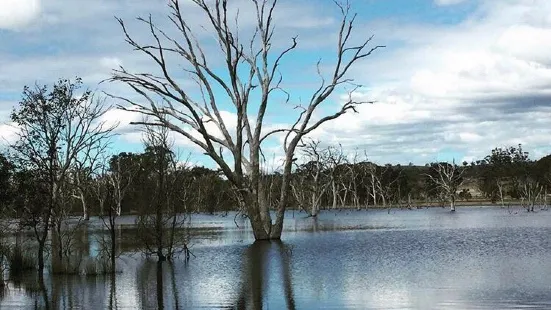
x: 251, y: 70
x: 121, y: 176
x: 310, y: 184
x: 64, y: 232
x: 372, y: 179
x: 501, y: 183
x: 87, y: 165
x: 374, y: 174
x: 335, y: 158
x: 354, y: 175
x: 104, y: 193
x: 531, y: 192
x: 447, y: 178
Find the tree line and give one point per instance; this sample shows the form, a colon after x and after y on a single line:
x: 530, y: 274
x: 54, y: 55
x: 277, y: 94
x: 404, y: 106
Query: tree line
x: 322, y: 176
x: 58, y: 169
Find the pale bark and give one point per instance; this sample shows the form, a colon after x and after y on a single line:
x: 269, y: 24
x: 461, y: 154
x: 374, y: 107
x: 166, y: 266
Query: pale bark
x: 531, y: 191
x: 500, y: 186
x: 335, y: 194
x: 250, y: 68
x: 447, y: 180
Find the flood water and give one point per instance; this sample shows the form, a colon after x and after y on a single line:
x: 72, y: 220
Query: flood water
x: 475, y: 258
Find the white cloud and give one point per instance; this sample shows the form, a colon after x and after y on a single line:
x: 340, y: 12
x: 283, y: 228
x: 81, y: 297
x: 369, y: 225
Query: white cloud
x: 8, y: 133
x: 457, y: 90
x: 120, y: 118
x: 15, y: 14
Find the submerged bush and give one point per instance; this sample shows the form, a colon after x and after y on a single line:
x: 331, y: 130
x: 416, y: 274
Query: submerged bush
x: 20, y: 261
x: 98, y: 267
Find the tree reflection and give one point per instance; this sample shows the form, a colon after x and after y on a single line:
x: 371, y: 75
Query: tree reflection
x: 160, y: 300
x: 157, y: 286
x: 256, y: 272
x: 113, y: 292
x: 174, y: 286
x: 44, y: 293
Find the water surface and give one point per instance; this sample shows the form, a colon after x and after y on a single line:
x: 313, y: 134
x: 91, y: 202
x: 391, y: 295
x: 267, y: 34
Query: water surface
x: 475, y: 258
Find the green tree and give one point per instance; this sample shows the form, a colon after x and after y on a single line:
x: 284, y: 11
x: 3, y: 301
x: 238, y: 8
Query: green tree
x: 161, y: 227
x: 57, y: 126
x: 502, y: 171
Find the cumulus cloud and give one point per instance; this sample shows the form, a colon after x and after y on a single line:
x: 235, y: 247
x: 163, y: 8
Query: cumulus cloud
x: 120, y: 119
x: 15, y: 14
x: 457, y: 91
x: 8, y: 133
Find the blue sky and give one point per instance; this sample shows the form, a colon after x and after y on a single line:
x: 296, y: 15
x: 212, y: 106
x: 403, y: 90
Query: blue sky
x: 457, y: 78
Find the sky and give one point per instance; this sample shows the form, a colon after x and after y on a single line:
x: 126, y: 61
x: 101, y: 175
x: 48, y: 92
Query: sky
x: 456, y: 78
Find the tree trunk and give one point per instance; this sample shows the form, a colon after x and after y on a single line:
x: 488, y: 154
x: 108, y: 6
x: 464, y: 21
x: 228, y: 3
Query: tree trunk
x: 314, y: 207
x: 41, y: 244
x: 43, y: 290
x: 500, y: 188
x: 113, y: 255
x: 160, y: 300
x: 335, y: 194
x: 250, y: 201
x: 343, y: 202
x: 373, y: 190
x: 452, y: 203
x: 264, y: 206
x: 85, y: 214
x: 259, y: 231
x: 57, y: 234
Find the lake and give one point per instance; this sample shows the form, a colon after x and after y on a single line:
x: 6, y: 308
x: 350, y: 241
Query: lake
x: 475, y: 258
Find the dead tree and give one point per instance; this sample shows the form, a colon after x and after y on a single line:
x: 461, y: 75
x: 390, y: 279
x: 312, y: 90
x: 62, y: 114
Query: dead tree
x: 447, y: 178
x: 372, y: 177
x: 104, y: 195
x: 353, y: 185
x: 85, y: 167
x: 309, y: 184
x: 531, y: 192
x: 501, y: 183
x: 335, y: 158
x: 379, y: 190
x: 121, y: 178
x: 251, y: 69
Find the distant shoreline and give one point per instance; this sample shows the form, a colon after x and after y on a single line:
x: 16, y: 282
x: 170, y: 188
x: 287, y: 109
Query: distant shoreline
x: 432, y: 204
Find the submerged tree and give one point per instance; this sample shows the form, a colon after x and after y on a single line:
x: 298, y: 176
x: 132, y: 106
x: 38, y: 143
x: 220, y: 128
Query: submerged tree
x: 57, y: 126
x: 446, y: 179
x: 123, y: 169
x: 162, y: 220
x: 248, y: 79
x: 106, y: 202
x: 309, y: 182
